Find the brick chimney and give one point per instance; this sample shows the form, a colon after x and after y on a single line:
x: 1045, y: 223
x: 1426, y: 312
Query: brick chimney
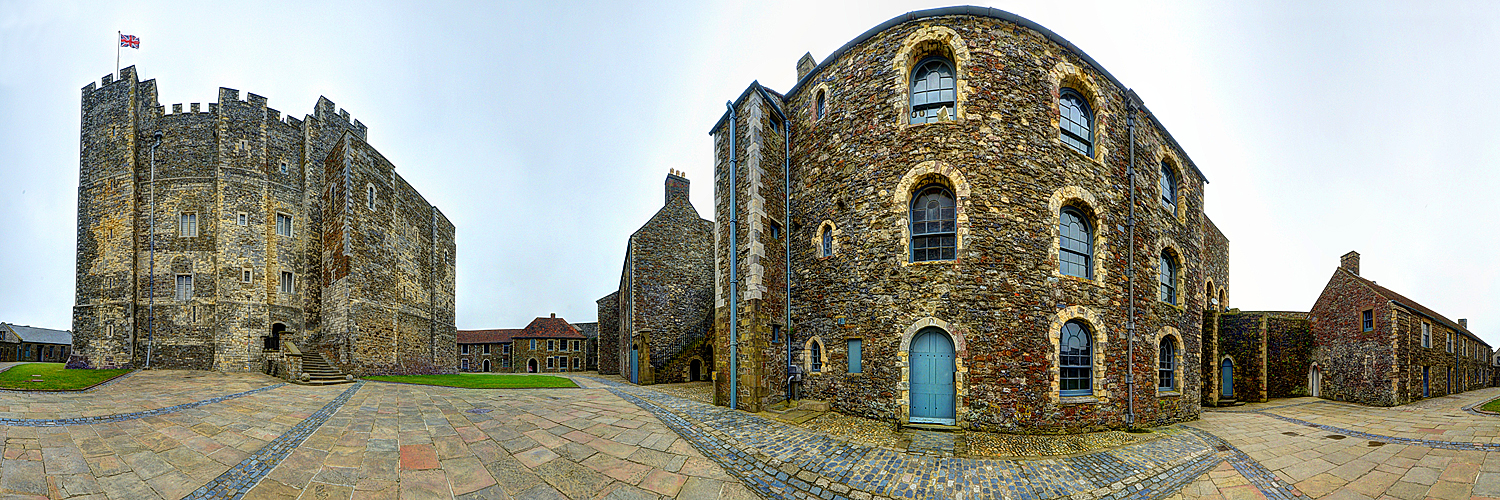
x: 677, y: 184
x: 554, y: 315
x: 805, y: 65
x: 1464, y: 322
x: 1350, y: 261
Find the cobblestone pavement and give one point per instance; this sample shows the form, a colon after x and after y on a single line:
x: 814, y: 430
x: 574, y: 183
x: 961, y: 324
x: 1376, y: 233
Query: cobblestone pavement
x: 234, y: 435
x: 139, y: 391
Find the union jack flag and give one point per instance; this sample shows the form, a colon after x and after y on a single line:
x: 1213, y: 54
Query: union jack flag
x: 131, y: 41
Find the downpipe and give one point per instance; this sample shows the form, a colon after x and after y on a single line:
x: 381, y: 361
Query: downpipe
x: 1130, y: 274
x: 734, y: 265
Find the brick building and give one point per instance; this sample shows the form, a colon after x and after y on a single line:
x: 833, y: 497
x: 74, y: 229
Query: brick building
x: 590, y: 331
x: 1378, y: 347
x: 266, y: 228
x: 29, y: 343
x: 935, y: 223
x: 485, y: 350
x: 659, y: 321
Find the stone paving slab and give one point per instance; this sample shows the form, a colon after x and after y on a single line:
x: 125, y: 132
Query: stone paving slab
x: 140, y: 391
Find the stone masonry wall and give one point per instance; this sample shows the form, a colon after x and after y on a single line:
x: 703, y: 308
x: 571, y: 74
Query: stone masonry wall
x: 1357, y: 365
x: 233, y: 166
x: 1242, y: 340
x: 1002, y: 299
x: 609, y: 334
x: 669, y: 293
x: 1289, y: 348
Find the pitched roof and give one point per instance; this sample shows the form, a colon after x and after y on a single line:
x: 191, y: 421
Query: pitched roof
x: 1415, y: 306
x: 590, y: 330
x: 487, y: 336
x: 41, y: 335
x: 552, y: 328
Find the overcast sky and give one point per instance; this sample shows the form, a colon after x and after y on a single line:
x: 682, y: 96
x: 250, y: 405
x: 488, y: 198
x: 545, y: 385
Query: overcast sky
x: 544, y: 130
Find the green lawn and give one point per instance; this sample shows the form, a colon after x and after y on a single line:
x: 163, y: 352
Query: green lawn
x: 54, y: 377
x: 480, y: 380
x: 1493, y: 405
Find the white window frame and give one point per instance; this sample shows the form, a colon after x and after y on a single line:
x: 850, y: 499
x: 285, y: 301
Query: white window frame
x: 466, y: 363
x: 288, y: 227
x: 288, y: 283
x: 1426, y: 334
x: 283, y: 167
x: 463, y: 349
x: 180, y: 295
x: 246, y: 275
x: 187, y: 225
x: 242, y: 219
x: 370, y: 196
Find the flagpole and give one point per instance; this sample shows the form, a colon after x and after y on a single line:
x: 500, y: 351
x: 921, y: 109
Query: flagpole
x: 118, y: 34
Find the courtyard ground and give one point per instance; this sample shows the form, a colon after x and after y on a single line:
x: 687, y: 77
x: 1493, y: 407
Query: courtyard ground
x: 184, y: 434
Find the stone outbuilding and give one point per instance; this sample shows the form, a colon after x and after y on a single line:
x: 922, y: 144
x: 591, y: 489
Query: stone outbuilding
x: 657, y: 326
x: 242, y: 229
x: 485, y: 350
x: 936, y: 224
x: 590, y: 346
x: 1378, y: 347
x: 29, y: 343
x: 548, y: 345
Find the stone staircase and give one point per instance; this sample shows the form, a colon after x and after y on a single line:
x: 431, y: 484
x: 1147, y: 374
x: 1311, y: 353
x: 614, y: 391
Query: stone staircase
x: 321, y: 372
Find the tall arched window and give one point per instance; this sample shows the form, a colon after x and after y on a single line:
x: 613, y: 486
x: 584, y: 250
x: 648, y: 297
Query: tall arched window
x: 1077, y: 123
x: 817, y: 357
x: 822, y: 104
x: 1075, y: 244
x: 933, y: 96
x: 827, y: 237
x: 1168, y: 188
x: 934, y: 230
x: 1075, y: 360
x: 1167, y: 368
x: 1167, y: 274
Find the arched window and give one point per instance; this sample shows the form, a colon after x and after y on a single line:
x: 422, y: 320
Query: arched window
x: 1075, y: 360
x: 933, y: 96
x: 370, y: 196
x: 1075, y: 244
x: 1168, y: 188
x: 817, y: 357
x: 1077, y: 123
x: 827, y: 247
x: 934, y: 232
x: 822, y: 104
x: 1167, y: 369
x: 1168, y: 277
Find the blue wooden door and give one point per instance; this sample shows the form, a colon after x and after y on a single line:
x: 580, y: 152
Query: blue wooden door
x: 932, y: 392
x: 1226, y: 374
x: 634, y: 365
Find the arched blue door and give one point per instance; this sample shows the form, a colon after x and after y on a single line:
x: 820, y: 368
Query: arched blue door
x: 1226, y: 374
x: 932, y: 393
x: 634, y: 365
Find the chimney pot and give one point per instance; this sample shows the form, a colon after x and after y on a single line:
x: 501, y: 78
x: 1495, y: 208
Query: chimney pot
x: 1350, y: 261
x: 554, y: 315
x: 1464, y: 322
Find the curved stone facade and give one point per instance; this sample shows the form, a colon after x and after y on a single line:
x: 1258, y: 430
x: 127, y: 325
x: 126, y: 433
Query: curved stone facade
x: 263, y: 223
x: 856, y: 164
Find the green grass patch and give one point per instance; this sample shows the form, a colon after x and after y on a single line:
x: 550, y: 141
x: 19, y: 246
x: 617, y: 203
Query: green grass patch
x: 1493, y: 405
x: 480, y: 380
x: 54, y: 377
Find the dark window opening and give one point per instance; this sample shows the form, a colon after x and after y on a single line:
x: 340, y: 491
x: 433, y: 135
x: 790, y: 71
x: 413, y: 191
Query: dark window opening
x: 1075, y: 360
x: 933, y: 94
x: 1075, y: 248
x: 1077, y: 123
x: 934, y: 231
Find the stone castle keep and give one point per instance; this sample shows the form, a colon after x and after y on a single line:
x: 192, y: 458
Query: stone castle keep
x: 268, y: 229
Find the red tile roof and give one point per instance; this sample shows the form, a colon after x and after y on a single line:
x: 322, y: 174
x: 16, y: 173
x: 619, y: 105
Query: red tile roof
x: 487, y: 336
x: 1413, y: 305
x: 552, y: 328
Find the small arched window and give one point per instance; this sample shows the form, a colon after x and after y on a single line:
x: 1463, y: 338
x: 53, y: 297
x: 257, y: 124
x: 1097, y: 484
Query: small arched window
x: 817, y: 357
x: 826, y: 248
x: 1075, y: 360
x: 370, y: 196
x: 822, y: 104
x: 933, y: 95
x: 934, y: 230
x: 1167, y: 368
x: 1075, y: 244
x: 1168, y: 276
x: 1077, y: 123
x: 1168, y: 188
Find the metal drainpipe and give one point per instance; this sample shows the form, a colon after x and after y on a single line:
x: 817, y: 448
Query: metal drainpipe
x: 1130, y: 321
x: 151, y: 308
x: 786, y: 172
x: 734, y: 319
